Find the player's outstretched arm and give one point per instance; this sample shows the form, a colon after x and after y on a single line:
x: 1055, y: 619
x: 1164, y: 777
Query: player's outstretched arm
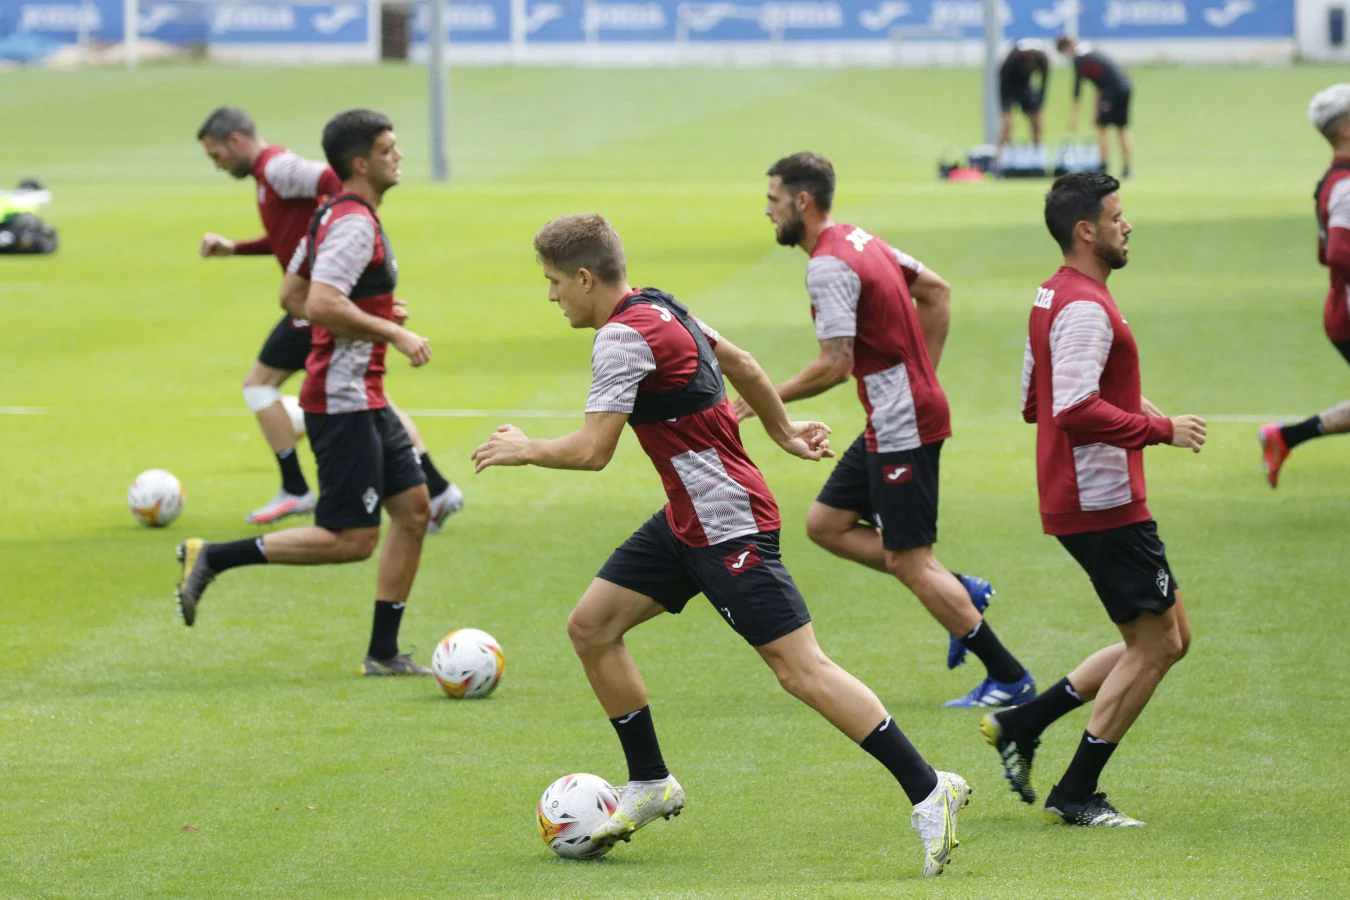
x: 933, y: 302
x: 588, y: 449
x: 332, y: 309
x: 808, y: 440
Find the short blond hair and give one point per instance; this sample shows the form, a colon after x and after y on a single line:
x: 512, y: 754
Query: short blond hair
x: 583, y: 241
x: 1329, y: 108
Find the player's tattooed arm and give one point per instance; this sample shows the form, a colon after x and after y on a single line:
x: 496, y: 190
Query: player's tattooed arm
x: 839, y: 351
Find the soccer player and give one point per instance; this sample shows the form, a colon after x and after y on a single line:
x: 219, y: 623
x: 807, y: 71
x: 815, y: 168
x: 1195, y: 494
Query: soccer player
x: 658, y: 369
x: 1023, y: 64
x: 1113, y: 97
x: 364, y: 454
x: 1330, y: 114
x: 289, y: 190
x: 1080, y: 384
x: 882, y: 317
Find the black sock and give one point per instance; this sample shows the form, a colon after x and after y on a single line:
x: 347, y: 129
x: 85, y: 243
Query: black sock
x: 637, y: 734
x: 292, y: 479
x: 248, y: 552
x: 1080, y: 779
x: 384, y: 630
x: 436, y: 483
x: 1030, y: 719
x: 1303, y: 431
x: 1001, y: 664
x: 894, y: 751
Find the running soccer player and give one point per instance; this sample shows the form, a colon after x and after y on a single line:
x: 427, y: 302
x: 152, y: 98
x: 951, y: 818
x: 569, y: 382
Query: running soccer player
x: 1113, y: 97
x: 289, y: 190
x: 1080, y: 384
x: 365, y: 457
x: 1020, y: 68
x: 657, y: 368
x: 1330, y: 114
x: 882, y: 317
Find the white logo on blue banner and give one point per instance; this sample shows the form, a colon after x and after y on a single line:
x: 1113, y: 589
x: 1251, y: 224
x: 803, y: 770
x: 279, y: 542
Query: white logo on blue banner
x: 883, y: 16
x: 1230, y: 12
x: 330, y: 22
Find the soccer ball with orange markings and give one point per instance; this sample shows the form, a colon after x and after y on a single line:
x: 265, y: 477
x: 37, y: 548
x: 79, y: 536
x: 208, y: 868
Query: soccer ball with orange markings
x: 156, y: 498
x: 571, y: 809
x: 468, y: 663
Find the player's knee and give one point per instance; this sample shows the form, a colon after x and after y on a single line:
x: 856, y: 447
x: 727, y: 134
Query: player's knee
x: 415, y: 513
x: 259, y: 396
x: 821, y: 530
x: 584, y: 631
x: 907, y: 566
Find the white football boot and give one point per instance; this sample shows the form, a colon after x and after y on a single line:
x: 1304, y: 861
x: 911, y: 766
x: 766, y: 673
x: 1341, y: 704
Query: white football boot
x: 640, y: 803
x: 935, y: 821
x: 443, y: 506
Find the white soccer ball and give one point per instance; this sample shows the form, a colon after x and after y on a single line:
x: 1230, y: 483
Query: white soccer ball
x: 156, y: 498
x: 468, y: 663
x: 292, y: 405
x: 572, y: 808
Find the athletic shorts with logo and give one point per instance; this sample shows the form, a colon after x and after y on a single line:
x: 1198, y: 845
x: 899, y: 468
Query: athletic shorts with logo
x: 287, y: 346
x: 743, y: 578
x: 1128, y: 567
x: 364, y: 458
x: 897, y: 492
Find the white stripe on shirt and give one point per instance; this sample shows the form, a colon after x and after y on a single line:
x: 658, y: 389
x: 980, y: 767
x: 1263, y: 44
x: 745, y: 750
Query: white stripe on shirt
x: 834, y: 289
x: 293, y: 176
x: 907, y: 262
x: 1338, y: 205
x: 344, y: 253
x: 1028, y: 369
x: 620, y: 359
x: 1080, y: 342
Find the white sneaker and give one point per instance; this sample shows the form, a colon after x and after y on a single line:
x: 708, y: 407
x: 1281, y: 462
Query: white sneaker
x: 935, y: 821
x: 281, y: 506
x: 640, y: 803
x: 443, y: 506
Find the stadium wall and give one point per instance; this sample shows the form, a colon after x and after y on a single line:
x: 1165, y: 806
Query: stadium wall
x: 674, y: 32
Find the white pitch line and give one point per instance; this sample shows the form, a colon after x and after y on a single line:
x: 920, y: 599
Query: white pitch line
x: 1233, y: 418
x: 437, y: 413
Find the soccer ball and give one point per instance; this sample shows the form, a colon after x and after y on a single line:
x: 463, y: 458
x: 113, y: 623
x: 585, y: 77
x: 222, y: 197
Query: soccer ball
x: 468, y: 663
x: 156, y: 498
x: 292, y: 405
x: 572, y: 808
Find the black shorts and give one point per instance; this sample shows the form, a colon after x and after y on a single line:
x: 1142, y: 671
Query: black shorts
x: 287, y: 347
x: 1113, y: 109
x: 364, y: 458
x: 897, y: 492
x: 1128, y: 567
x: 743, y: 578
x: 1344, y: 347
x: 1019, y: 92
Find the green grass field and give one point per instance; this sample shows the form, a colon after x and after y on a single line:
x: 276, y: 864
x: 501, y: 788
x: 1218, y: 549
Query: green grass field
x: 246, y: 758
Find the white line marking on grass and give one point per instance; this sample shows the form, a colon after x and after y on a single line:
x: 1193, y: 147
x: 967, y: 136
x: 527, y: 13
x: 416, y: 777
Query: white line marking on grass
x: 504, y: 414
x: 440, y: 413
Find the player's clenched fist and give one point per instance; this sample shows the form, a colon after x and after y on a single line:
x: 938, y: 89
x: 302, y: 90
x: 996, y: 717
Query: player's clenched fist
x: 1189, y: 432
x: 216, y: 245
